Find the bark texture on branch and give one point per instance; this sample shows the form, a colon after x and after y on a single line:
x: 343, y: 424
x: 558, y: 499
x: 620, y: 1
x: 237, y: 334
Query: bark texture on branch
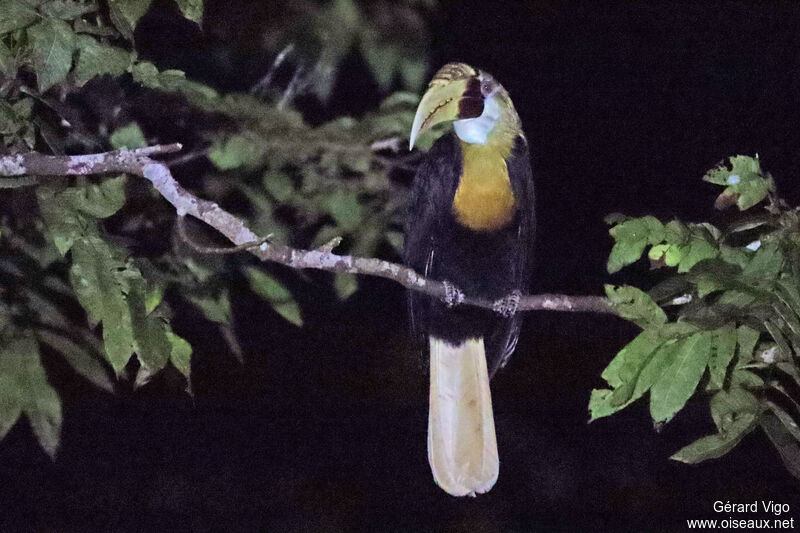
x: 140, y: 162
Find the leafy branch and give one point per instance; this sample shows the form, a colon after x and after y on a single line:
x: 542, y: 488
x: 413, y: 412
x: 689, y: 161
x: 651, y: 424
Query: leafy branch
x: 140, y: 162
x: 66, y: 244
x: 724, y: 324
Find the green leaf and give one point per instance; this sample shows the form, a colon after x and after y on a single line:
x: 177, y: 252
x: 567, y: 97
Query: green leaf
x: 82, y: 26
x: 23, y: 108
x: 412, y: 72
x: 97, y: 275
x: 734, y: 255
x: 8, y: 63
x: 631, y: 236
x: 52, y: 43
x: 145, y: 73
x: 153, y: 296
x: 24, y: 387
x: 728, y: 405
x: 97, y: 200
x: 276, y: 294
x: 677, y: 233
x: 267, y: 287
x: 744, y: 182
x: 600, y: 404
x: 396, y: 240
x: 345, y: 209
x: 125, y: 14
x: 623, y: 373
x: 791, y: 369
x: 662, y: 359
x: 70, y: 212
x: 785, y: 352
x: 180, y: 354
x: 81, y: 360
x: 635, y: 305
x: 717, y: 445
x: 150, y: 340
x: 785, y: 418
x: 714, y: 274
x: 345, y: 285
x: 172, y: 80
x: 290, y: 311
x: 677, y: 384
x: 670, y: 288
x: 746, y: 338
x: 789, y: 293
x: 740, y: 165
x: 787, y: 322
x: 64, y: 223
x: 746, y: 379
x: 383, y: 58
x: 67, y: 9
x: 15, y: 14
x: 237, y: 151
x: 129, y: 136
x: 15, y: 121
x: 753, y: 192
x: 96, y: 59
x: 658, y: 252
x: 783, y: 440
x: 279, y: 185
x: 191, y: 9
x: 627, y: 364
x: 216, y: 309
x: 12, y: 389
x: 766, y: 263
x: 723, y: 346
x: 113, y: 292
x: 697, y: 250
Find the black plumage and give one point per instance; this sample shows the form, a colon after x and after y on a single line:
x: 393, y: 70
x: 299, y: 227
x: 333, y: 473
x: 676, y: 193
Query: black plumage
x: 488, y: 264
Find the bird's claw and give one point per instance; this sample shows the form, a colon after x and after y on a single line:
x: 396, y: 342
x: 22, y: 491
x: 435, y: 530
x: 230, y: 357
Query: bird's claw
x: 452, y: 296
x: 507, y: 305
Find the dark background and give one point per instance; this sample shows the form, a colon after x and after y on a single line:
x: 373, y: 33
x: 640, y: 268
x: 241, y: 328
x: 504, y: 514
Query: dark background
x: 323, y: 429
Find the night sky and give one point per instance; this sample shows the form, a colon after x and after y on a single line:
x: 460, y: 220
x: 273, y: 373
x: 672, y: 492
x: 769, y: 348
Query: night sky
x: 324, y: 428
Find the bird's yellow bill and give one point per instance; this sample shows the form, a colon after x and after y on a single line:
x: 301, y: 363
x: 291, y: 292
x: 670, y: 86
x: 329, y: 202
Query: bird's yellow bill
x: 453, y: 94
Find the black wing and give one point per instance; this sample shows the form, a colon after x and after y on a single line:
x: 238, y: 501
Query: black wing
x: 504, y: 338
x: 434, y: 183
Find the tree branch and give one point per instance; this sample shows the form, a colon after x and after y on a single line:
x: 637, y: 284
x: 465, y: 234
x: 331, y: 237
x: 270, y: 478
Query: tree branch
x: 140, y: 163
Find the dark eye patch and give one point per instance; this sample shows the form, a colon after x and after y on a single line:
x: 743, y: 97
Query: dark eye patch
x: 471, y: 103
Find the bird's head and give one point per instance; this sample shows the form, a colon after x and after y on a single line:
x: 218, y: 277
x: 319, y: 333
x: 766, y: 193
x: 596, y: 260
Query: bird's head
x: 479, y: 106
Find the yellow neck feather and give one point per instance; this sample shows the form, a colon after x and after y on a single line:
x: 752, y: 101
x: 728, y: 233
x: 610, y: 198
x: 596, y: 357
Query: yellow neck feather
x: 484, y: 199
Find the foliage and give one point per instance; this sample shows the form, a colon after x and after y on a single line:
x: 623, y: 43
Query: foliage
x: 87, y: 274
x: 724, y: 324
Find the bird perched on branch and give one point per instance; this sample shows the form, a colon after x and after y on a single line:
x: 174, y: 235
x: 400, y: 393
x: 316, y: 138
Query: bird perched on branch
x: 470, y: 225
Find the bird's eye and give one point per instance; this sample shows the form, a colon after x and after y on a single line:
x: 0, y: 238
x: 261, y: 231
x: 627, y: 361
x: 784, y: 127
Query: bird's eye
x: 486, y: 87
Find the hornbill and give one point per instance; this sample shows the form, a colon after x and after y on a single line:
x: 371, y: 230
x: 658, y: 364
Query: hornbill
x: 470, y: 225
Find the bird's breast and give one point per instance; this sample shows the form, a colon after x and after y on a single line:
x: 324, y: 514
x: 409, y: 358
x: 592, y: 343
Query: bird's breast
x: 484, y: 200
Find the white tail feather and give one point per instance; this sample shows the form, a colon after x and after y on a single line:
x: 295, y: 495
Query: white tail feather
x: 462, y: 446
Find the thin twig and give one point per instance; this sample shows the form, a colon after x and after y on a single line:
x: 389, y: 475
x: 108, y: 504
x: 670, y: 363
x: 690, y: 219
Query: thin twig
x: 17, y: 183
x: 138, y: 162
x: 212, y: 250
x: 187, y: 157
x: 264, y: 83
x: 292, y: 90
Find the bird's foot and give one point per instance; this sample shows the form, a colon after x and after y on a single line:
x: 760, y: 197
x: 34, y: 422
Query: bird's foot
x: 507, y: 305
x: 452, y: 296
